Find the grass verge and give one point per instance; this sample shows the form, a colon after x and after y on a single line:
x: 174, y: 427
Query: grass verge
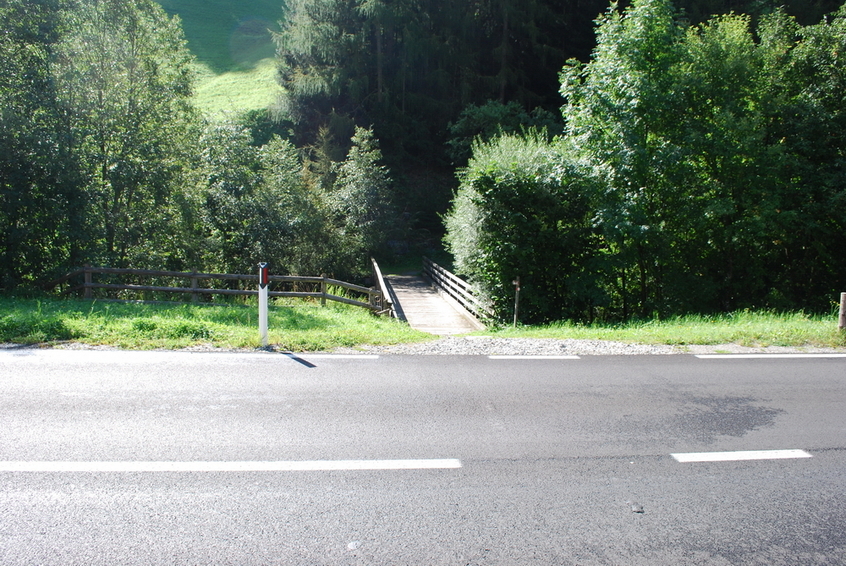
x: 746, y: 328
x: 302, y: 326
x: 295, y: 326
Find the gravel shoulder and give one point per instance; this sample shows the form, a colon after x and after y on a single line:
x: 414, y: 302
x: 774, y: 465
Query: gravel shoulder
x: 489, y: 346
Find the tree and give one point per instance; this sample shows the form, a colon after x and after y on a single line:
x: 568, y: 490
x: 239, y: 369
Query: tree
x: 808, y: 125
x: 616, y: 108
x: 40, y: 199
x: 707, y: 140
x: 264, y: 204
x: 361, y: 202
x: 492, y: 118
x: 408, y: 68
x: 123, y: 72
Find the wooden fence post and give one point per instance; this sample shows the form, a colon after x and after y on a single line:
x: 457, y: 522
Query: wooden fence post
x: 195, y: 297
x: 87, y: 284
x: 842, y: 322
x: 322, y: 289
x: 516, y: 284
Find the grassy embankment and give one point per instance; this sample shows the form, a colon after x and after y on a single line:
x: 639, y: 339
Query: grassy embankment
x: 304, y: 326
x: 235, y: 53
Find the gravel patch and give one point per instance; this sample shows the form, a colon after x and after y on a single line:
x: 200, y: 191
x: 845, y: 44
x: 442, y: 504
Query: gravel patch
x: 491, y: 346
x: 487, y: 346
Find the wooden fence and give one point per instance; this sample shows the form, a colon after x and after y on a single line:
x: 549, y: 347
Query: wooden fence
x: 322, y: 288
x: 457, y: 289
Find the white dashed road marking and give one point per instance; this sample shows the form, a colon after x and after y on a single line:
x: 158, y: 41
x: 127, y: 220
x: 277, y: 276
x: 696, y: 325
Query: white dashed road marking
x: 738, y: 456
x: 765, y: 356
x: 533, y: 357
x: 281, y: 466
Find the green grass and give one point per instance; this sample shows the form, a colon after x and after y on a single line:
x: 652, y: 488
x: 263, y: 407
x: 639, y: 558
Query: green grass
x: 746, y: 328
x: 304, y: 326
x: 235, y: 52
x: 224, y: 34
x: 234, y: 92
x: 296, y: 326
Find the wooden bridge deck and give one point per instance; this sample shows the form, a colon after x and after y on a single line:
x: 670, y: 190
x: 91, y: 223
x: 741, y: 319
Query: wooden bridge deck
x: 417, y: 302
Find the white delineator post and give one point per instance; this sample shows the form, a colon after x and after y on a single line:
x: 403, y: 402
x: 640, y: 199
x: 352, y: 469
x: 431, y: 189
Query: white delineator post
x: 841, y: 323
x: 264, y: 280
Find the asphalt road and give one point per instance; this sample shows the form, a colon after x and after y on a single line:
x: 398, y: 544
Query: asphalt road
x: 193, y: 459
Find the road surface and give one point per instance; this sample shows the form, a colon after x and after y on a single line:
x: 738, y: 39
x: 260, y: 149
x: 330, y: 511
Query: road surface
x: 176, y: 458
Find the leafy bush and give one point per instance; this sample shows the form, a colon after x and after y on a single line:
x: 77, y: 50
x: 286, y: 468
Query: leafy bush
x: 523, y: 210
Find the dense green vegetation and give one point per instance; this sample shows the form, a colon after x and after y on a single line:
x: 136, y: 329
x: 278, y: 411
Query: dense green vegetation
x: 108, y: 162
x: 702, y: 170
x: 696, y: 165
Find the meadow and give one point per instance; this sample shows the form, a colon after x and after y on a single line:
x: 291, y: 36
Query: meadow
x: 232, y: 41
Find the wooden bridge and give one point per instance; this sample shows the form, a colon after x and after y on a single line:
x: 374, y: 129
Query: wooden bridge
x: 437, y: 302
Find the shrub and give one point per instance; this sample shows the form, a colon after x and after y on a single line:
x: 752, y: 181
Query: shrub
x: 523, y: 210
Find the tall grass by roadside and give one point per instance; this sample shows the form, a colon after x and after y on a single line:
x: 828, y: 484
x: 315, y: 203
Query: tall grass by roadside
x: 306, y: 326
x: 747, y: 328
x: 294, y: 325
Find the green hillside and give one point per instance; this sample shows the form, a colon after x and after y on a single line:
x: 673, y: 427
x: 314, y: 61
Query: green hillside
x: 234, y: 49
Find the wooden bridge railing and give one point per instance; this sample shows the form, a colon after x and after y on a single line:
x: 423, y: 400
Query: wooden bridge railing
x: 303, y: 287
x: 457, y: 289
x: 385, y: 301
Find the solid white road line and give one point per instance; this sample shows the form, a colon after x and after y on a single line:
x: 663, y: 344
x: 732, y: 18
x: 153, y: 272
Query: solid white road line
x: 765, y: 356
x: 280, y: 466
x: 738, y: 456
x: 306, y: 355
x: 496, y: 357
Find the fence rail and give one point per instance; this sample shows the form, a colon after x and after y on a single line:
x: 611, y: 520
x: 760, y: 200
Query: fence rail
x: 302, y: 287
x: 458, y: 289
x: 386, y: 303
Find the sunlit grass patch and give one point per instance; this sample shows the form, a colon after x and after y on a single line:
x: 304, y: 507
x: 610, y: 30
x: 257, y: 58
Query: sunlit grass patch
x: 293, y: 325
x: 747, y: 328
x: 236, y: 91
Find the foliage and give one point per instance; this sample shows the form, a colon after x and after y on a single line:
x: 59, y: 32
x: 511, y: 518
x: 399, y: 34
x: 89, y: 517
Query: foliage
x: 522, y: 210
x: 40, y: 200
x: 691, y: 143
x: 123, y: 75
x: 259, y: 203
x: 492, y: 118
x: 717, y: 157
x: 409, y: 68
x: 360, y: 200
